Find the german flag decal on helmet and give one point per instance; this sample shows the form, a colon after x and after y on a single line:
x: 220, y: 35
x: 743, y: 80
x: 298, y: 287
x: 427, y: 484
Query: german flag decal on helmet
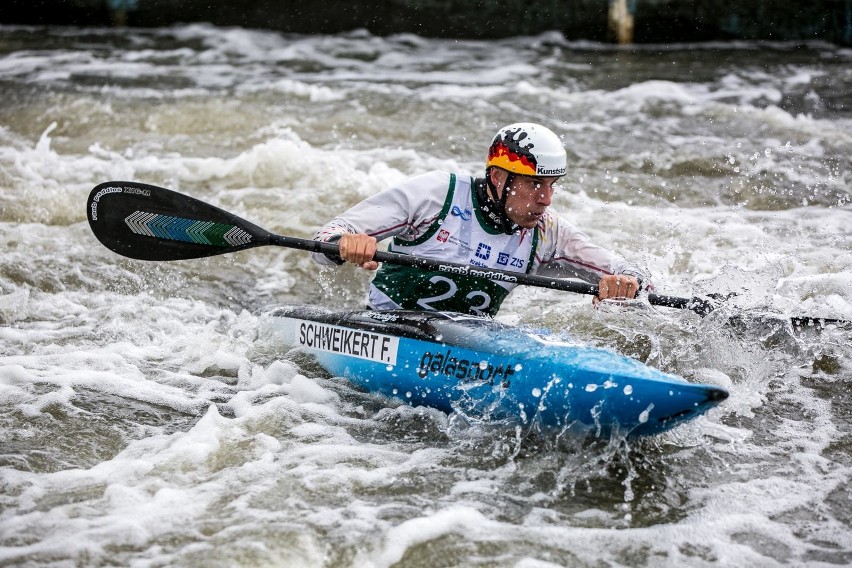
x: 527, y: 149
x: 507, y: 152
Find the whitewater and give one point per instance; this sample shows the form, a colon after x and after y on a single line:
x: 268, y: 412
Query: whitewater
x: 148, y: 417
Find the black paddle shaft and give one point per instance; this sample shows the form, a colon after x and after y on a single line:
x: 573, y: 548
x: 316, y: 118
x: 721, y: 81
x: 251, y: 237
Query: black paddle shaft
x: 147, y: 222
x: 702, y: 307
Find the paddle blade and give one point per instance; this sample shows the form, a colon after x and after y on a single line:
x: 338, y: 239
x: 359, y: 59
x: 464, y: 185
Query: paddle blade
x: 147, y: 222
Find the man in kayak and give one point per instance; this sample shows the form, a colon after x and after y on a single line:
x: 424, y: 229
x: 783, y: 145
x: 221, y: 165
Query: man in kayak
x: 500, y: 221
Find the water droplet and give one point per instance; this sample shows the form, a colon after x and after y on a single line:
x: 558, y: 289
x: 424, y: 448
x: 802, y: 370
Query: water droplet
x: 591, y: 388
x: 483, y: 365
x: 628, y: 390
x: 518, y: 368
x: 536, y: 392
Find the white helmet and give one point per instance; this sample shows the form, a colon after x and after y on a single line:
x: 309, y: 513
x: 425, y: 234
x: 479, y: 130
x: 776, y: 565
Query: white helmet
x: 528, y: 149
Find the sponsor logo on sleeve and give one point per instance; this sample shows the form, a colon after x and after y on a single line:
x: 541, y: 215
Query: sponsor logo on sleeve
x: 503, y: 259
x: 443, y: 235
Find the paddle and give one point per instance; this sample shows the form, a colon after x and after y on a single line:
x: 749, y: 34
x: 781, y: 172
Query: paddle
x: 147, y: 222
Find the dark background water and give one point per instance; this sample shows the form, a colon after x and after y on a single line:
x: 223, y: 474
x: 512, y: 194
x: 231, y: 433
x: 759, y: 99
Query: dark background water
x: 653, y: 21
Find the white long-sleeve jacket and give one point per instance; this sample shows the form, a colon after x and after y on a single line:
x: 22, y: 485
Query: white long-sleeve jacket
x: 436, y: 215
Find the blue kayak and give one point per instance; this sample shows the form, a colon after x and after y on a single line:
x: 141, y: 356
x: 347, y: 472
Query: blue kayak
x: 489, y: 371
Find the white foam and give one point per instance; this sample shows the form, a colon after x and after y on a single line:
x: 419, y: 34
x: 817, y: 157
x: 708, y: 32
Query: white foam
x: 267, y: 462
x: 398, y: 539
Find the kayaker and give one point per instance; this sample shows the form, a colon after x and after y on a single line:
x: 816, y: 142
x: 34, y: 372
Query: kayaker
x: 500, y: 221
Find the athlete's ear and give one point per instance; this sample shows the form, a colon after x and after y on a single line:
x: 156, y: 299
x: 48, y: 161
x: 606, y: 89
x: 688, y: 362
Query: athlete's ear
x: 497, y: 176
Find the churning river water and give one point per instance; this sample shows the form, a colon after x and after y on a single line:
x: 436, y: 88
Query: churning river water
x: 147, y: 419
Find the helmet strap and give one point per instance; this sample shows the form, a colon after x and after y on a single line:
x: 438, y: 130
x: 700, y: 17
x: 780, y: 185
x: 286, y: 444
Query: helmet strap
x: 495, y: 204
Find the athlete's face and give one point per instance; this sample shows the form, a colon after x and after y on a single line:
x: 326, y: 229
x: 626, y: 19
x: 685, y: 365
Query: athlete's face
x: 528, y: 196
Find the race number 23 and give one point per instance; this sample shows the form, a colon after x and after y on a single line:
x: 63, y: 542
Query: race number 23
x: 452, y: 288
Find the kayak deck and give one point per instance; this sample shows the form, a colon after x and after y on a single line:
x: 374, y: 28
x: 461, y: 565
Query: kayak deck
x: 487, y: 370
